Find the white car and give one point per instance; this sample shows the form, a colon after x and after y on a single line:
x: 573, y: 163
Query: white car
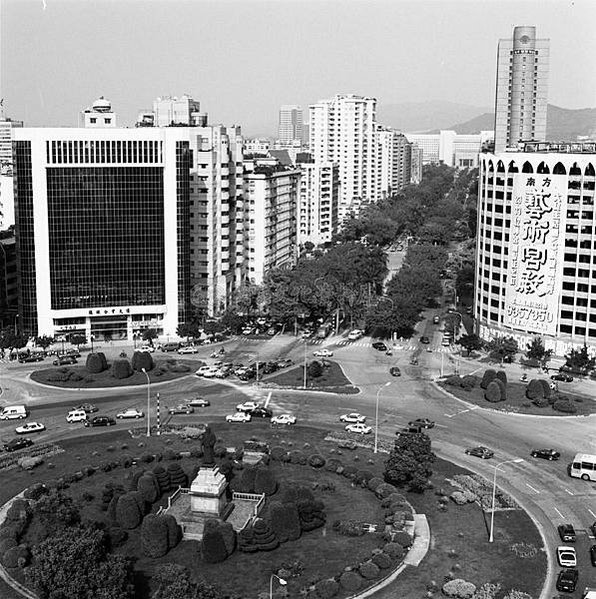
x: 247, y: 406
x: 130, y: 413
x: 147, y: 348
x: 567, y: 557
x: 189, y: 349
x: 207, y: 371
x: 355, y: 335
x: 239, y: 417
x: 30, y: 427
x: 283, y: 419
x: 322, y: 353
x: 359, y: 427
x: 352, y: 417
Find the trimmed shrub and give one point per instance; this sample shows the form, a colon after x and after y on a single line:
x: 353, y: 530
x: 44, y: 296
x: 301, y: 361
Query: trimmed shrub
x: 154, y: 536
x: 534, y: 390
x: 382, y: 560
x: 7, y: 543
x: 369, y: 570
x: 394, y: 550
x: 316, y: 461
x: 34, y: 492
x: 285, y: 521
x: 148, y: 488
x: 174, y: 530
x: 502, y: 387
x: 178, y: 477
x: 121, y: 369
x: 162, y: 476
x: 19, y: 509
x: 488, y: 376
x: 403, y: 538
x: 265, y: 481
x: 564, y: 405
x: 311, y: 514
x: 332, y: 465
x: 493, y: 392
x: 541, y: 402
x: 117, y: 536
x: 10, y: 558
x: 96, y: 362
x: 375, y: 482
x: 351, y: 581
x: 264, y: 537
x: 247, y: 479
x: 385, y: 490
x: 213, y: 547
x: 229, y: 536
x: 469, y: 381
x: 8, y: 531
x: 502, y: 376
x: 246, y: 540
x: 327, y: 588
x: 453, y: 381
x: 546, y: 390
x: 143, y: 505
x: 459, y: 588
x: 128, y: 512
x: 298, y: 457
x: 362, y: 477
x: 132, y: 478
x: 142, y: 359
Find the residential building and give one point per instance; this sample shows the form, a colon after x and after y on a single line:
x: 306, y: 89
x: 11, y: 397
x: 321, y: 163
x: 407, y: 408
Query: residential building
x: 522, y: 88
x: 9, y: 289
x: 395, y: 161
x: 171, y: 111
x: 343, y: 130
x: 290, y: 127
x: 257, y: 145
x: 417, y: 159
x: 536, y: 245
x: 99, y: 115
x: 450, y: 148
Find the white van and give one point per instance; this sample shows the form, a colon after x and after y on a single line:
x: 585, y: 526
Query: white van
x: 14, y: 413
x: 76, y: 416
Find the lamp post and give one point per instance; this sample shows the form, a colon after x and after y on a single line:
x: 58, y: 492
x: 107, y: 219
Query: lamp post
x: 377, y: 414
x: 91, y: 338
x: 282, y: 581
x: 304, y: 378
x: 492, y: 512
x: 148, y: 401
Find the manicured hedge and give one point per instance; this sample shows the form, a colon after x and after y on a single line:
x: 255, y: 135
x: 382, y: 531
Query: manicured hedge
x: 178, y: 477
x: 154, y: 536
x: 148, y: 487
x: 487, y: 377
x: 96, y: 362
x: 264, y: 481
x: 493, y: 392
x: 213, y: 547
x: 142, y: 359
x: 121, y: 369
x: 264, y: 537
x: 128, y: 512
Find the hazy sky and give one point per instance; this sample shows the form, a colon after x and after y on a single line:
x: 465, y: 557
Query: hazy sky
x: 243, y: 59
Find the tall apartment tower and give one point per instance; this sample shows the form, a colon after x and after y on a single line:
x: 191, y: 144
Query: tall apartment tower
x: 522, y: 89
x: 290, y: 129
x: 343, y: 130
x: 395, y: 161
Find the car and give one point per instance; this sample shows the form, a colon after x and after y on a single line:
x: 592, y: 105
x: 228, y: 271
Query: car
x: 30, y: 427
x: 593, y: 529
x: 394, y: 371
x: 247, y: 331
x: 359, y: 427
x: 566, y: 556
x: 424, y: 339
x: 593, y: 555
x: 148, y: 348
x: 561, y: 376
x: 480, y: 452
x: 100, y: 421
x: 181, y: 408
x: 422, y: 423
x: 247, y: 406
x: 31, y: 358
x: 199, y: 402
x: 352, y: 417
x: 239, y: 417
x: 545, y: 454
x: 17, y: 443
x: 284, y: 362
x: 567, y: 580
x: 355, y: 335
x: 130, y: 413
x: 271, y: 331
x: 64, y: 360
x: 379, y: 346
x: 189, y: 349
x: 567, y: 533
x: 322, y: 353
x: 207, y: 371
x: 436, y: 320
x: 261, y: 412
x: 88, y: 408
x: 446, y: 341
x: 268, y: 368
x: 283, y: 419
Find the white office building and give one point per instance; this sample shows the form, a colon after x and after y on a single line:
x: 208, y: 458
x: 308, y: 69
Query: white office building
x: 450, y: 148
x: 178, y: 111
x: 6, y: 170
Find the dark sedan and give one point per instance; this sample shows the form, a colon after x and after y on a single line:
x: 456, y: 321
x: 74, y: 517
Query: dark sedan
x: 17, y: 443
x: 379, y: 345
x: 64, y: 361
x: 561, y: 376
x: 424, y: 340
x: 100, y: 421
x: 545, y: 454
x: 199, y: 402
x: 481, y: 452
x: 422, y: 422
x: 261, y: 412
x: 88, y: 408
x: 31, y: 358
x: 394, y: 371
x: 593, y: 555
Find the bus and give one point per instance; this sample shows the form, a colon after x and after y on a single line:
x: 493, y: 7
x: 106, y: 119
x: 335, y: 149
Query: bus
x: 583, y: 466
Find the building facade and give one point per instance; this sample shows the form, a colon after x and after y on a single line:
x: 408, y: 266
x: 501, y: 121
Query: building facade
x: 417, y: 159
x: 536, y: 246
x: 99, y: 115
x: 395, y: 161
x: 6, y: 170
x: 9, y: 288
x: 290, y: 128
x: 522, y: 88
x: 450, y: 148
x: 171, y: 111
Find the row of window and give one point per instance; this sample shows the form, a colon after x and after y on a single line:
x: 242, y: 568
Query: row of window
x: 104, y: 152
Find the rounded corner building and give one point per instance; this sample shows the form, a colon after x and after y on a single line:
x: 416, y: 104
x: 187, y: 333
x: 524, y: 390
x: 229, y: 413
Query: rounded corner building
x: 536, y: 245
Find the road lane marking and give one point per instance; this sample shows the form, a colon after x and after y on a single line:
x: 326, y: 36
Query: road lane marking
x: 268, y: 398
x: 591, y: 512
x: 533, y: 489
x: 558, y: 512
x: 568, y: 491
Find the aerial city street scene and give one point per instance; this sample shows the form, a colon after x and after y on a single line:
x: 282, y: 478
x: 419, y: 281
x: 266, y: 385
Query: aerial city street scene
x: 297, y: 299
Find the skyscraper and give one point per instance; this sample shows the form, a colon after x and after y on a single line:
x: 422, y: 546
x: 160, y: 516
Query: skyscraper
x: 522, y: 88
x: 289, y: 129
x: 395, y: 161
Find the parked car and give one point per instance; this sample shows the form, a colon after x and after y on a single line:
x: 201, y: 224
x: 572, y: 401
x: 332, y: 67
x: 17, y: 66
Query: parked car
x: 545, y: 454
x: 261, y: 412
x: 283, y: 419
x: 17, y: 443
x: 566, y: 556
x: 199, y: 402
x: 422, y: 422
x: 567, y: 580
x: 100, y: 421
x: 436, y: 319
x: 31, y: 358
x: 379, y: 346
x: 30, y: 427
x: 64, y: 360
x: 181, y: 408
x: 355, y: 335
x: 322, y: 353
x: 352, y: 417
x: 567, y: 533
x: 284, y: 362
x: 593, y: 529
x: 88, y: 408
x: 394, y: 371
x: 239, y: 417
x: 480, y: 452
x: 189, y: 349
x: 359, y: 427
x: 408, y: 430
x: 247, y: 406
x: 593, y: 555
x: 130, y: 413
x: 424, y: 339
x: 147, y: 348
x: 561, y: 376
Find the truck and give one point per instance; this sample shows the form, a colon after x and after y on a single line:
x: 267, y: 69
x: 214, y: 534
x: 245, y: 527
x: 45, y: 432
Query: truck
x: 324, y: 330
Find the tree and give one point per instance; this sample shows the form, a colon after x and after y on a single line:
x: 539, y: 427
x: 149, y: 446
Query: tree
x: 53, y: 513
x: 189, y: 329
x: 502, y: 349
x: 536, y: 351
x: 149, y: 335
x: 410, y: 462
x: 44, y: 341
x: 579, y: 360
x: 78, y: 339
x: 470, y: 342
x: 173, y: 581
x: 9, y: 338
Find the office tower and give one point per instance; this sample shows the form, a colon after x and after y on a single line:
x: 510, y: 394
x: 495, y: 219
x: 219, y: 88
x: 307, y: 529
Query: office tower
x: 6, y: 171
x: 290, y: 130
x: 535, y: 245
x: 318, y: 202
x: 395, y: 161
x: 522, y: 88
x: 343, y: 130
x: 9, y: 289
x: 183, y: 111
x: 99, y: 115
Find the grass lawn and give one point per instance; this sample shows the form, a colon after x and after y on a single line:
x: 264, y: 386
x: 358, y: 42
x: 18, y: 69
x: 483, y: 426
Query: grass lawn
x: 333, y: 380
x: 518, y: 402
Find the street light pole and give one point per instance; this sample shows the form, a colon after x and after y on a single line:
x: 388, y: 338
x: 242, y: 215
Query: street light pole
x: 492, y: 511
x: 148, y: 401
x: 377, y: 415
x: 304, y: 378
x: 281, y: 581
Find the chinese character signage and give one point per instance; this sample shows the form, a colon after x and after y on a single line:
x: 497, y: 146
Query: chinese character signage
x: 536, y: 244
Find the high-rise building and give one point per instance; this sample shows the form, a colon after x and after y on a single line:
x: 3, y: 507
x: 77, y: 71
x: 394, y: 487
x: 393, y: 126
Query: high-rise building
x: 289, y: 129
x: 6, y: 170
x: 343, y: 130
x: 450, y: 148
x: 395, y: 161
x: 536, y: 248
x: 417, y: 158
x: 9, y: 289
x: 180, y: 112
x: 522, y: 88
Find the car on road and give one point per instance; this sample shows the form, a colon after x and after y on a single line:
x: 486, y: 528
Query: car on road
x: 261, y: 412
x: 436, y: 319
x: 283, y: 419
x: 64, y: 360
x: 88, y: 408
x: 100, y: 421
x: 284, y: 362
x: 480, y: 452
x: 355, y: 335
x: 322, y: 353
x: 593, y: 555
x: 352, y: 417
x: 394, y: 371
x: 147, y: 348
x: 130, y: 413
x: 247, y: 406
x: 566, y: 556
x: 359, y: 427
x: 567, y: 533
x: 207, y: 371
x: 567, y: 580
x: 545, y: 454
x: 379, y: 346
x: 31, y: 358
x: 181, y: 408
x: 199, y: 402
x: 189, y: 349
x: 17, y: 443
x: 424, y: 339
x: 561, y: 376
x: 30, y: 427
x: 76, y: 416
x: 422, y: 423
x: 239, y: 417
